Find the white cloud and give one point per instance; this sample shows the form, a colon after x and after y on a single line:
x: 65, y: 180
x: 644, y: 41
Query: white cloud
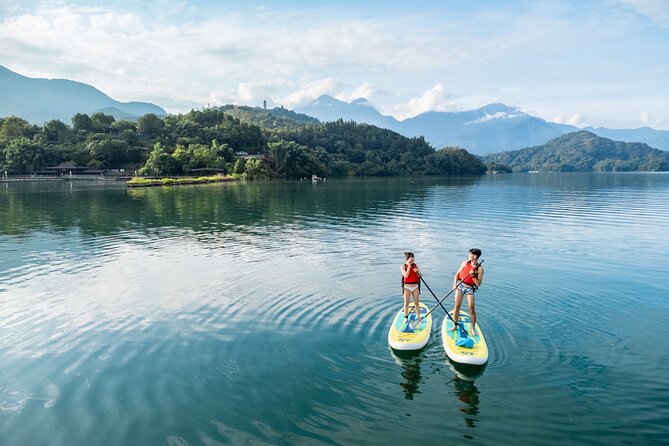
x: 180, y: 56
x: 309, y: 91
x: 365, y: 90
x: 435, y: 99
x: 644, y: 117
x: 577, y: 120
x: 491, y: 116
x: 656, y: 10
x: 180, y: 64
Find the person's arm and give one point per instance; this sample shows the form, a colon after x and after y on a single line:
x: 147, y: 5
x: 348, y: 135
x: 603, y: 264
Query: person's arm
x: 405, y: 271
x: 478, y: 280
x: 478, y: 277
x: 418, y: 270
x: 455, y: 278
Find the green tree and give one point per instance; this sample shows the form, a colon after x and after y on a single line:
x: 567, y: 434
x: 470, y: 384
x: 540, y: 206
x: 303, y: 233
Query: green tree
x: 160, y: 162
x: 240, y: 166
x: 23, y: 156
x: 122, y: 125
x: 256, y: 169
x: 102, y: 123
x: 55, y: 130
x: 292, y: 160
x: 454, y: 161
x: 13, y: 127
x: 81, y: 121
x: 107, y: 154
x: 150, y: 125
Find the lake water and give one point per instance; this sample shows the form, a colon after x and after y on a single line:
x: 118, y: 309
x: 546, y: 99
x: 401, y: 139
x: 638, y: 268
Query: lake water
x: 258, y: 313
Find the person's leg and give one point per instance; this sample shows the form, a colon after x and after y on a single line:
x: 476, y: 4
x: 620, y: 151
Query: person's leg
x: 407, y: 296
x: 416, y: 301
x: 456, y: 307
x: 472, y: 312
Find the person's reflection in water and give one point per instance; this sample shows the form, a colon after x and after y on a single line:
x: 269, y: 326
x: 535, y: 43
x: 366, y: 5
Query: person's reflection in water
x: 467, y: 392
x: 410, y: 362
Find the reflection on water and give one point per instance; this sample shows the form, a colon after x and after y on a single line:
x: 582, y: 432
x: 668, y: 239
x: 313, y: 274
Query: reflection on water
x: 468, y: 394
x: 205, y: 208
x: 258, y: 313
x: 410, y: 363
x: 464, y: 388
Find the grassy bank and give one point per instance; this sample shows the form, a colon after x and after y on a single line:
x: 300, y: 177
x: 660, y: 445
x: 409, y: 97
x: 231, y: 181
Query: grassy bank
x: 148, y: 182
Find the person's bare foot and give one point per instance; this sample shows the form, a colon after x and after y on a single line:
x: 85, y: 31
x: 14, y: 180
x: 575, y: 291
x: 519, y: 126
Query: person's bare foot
x: 473, y: 332
x: 454, y: 328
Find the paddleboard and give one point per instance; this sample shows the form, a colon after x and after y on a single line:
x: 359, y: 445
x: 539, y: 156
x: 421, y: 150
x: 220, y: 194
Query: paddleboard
x: 402, y: 337
x: 477, y: 355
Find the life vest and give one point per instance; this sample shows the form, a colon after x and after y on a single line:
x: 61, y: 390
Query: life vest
x: 465, y: 274
x: 413, y: 278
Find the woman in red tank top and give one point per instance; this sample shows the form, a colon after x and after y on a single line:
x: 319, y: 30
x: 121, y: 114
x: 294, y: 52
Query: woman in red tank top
x: 410, y: 284
x: 472, y: 273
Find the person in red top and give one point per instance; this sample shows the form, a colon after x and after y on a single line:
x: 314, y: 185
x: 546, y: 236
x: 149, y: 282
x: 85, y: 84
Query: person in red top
x: 473, y: 276
x: 410, y: 280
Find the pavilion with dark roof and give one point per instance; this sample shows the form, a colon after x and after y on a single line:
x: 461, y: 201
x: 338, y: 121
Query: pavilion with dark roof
x: 70, y: 168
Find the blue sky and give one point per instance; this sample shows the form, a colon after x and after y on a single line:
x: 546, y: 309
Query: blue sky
x: 601, y: 63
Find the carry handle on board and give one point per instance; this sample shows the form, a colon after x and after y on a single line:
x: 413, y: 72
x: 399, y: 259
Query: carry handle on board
x: 415, y: 322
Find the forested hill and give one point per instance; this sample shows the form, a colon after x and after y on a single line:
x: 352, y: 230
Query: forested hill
x: 214, y: 138
x: 584, y: 152
x: 274, y: 118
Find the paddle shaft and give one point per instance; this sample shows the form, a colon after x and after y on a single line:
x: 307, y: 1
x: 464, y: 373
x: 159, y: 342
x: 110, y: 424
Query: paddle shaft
x: 439, y: 302
x: 449, y: 293
x: 433, y: 295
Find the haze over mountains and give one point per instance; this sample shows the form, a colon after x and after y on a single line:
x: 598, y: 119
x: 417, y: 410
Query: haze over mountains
x: 489, y: 129
x: 40, y: 100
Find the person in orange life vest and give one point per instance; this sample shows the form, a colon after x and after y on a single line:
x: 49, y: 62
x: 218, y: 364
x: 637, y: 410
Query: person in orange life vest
x: 411, y: 279
x: 472, y: 280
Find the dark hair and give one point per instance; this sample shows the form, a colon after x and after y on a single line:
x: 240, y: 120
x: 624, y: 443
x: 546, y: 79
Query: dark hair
x: 408, y: 254
x: 476, y: 252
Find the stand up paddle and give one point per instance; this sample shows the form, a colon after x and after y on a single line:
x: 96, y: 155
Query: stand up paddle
x: 414, y: 322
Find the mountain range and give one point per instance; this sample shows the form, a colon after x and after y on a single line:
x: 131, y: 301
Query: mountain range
x: 489, y: 129
x: 40, y: 100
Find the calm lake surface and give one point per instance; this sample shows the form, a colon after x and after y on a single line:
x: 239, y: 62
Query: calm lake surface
x: 258, y: 313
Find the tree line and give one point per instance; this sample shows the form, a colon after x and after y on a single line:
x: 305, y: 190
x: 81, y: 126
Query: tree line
x: 286, y: 145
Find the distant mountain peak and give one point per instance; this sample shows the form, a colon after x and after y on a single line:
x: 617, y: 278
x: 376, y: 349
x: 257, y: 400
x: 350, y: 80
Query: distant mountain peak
x: 38, y: 100
x: 361, y: 101
x: 326, y: 99
x: 497, y: 107
x: 494, y: 127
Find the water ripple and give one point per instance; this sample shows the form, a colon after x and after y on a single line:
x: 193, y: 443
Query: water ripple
x: 259, y: 313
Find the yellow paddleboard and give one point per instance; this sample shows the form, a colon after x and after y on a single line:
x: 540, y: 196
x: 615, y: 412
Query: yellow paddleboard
x: 477, y: 355
x: 402, y: 337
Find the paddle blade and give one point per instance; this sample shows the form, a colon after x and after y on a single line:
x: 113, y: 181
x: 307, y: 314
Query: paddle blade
x: 415, y: 323
x: 463, y: 338
x: 465, y: 342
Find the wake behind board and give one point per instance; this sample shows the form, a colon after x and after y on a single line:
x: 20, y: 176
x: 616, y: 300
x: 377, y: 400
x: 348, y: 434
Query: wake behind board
x: 402, y: 337
x: 477, y: 355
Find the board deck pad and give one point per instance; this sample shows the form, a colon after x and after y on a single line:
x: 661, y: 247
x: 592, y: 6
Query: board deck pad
x: 477, y: 355
x: 402, y: 337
